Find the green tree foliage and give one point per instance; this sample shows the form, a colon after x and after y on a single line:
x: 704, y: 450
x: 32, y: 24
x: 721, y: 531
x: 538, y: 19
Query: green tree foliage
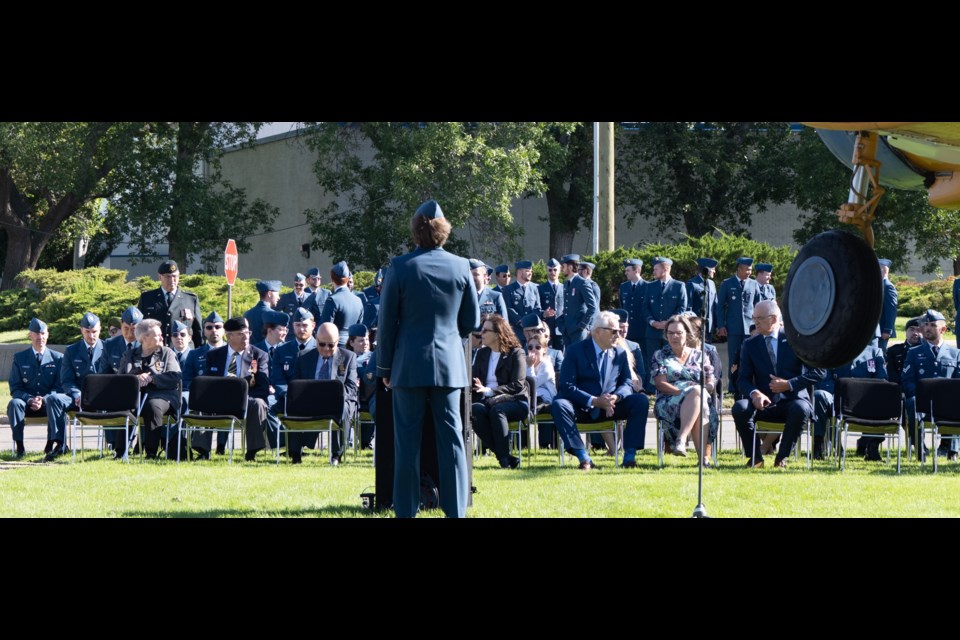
x: 473, y: 169
x: 914, y: 298
x: 567, y: 165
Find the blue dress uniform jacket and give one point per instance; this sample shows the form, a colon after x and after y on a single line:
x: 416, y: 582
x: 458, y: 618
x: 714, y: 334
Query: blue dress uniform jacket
x: 702, y: 293
x: 491, y: 301
x: 659, y: 303
x: 27, y: 380
x: 521, y: 299
x: 283, y: 367
x: 580, y: 307
x: 185, y: 307
x: 343, y: 368
x: 113, y: 350
x: 735, y: 305
x: 551, y: 297
x: 315, y: 303
x: 288, y: 303
x: 631, y: 301
x: 765, y: 292
x: 255, y: 320
x: 343, y: 309
x: 920, y: 364
x: 869, y: 364
x: 371, y: 307
x: 888, y: 314
x: 76, y: 365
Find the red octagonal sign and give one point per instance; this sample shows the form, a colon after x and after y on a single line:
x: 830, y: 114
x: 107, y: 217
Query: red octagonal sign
x: 231, y: 262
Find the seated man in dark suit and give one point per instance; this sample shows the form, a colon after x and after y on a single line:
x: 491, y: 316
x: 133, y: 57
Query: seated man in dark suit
x: 595, y: 385
x: 774, y: 384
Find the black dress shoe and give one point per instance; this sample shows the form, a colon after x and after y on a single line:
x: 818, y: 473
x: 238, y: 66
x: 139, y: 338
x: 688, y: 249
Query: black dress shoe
x: 872, y: 454
x: 755, y: 465
x: 19, y: 454
x: 335, y: 461
x: 202, y: 454
x: 587, y: 465
x: 630, y: 464
x: 296, y: 460
x: 47, y: 448
x: 221, y: 451
x: 952, y: 456
x: 55, y: 451
x: 251, y: 455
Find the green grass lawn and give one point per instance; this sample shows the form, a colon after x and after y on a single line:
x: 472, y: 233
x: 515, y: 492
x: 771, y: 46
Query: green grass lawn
x: 18, y: 336
x: 106, y: 488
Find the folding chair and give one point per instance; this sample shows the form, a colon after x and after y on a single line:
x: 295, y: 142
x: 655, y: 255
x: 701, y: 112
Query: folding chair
x: 516, y: 427
x: 311, y: 404
x: 870, y: 406
x: 217, y: 403
x: 607, y: 426
x: 939, y: 398
x: 715, y: 405
x: 109, y: 402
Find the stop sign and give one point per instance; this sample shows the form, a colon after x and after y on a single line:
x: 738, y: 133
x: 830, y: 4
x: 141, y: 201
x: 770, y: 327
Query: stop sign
x: 230, y: 262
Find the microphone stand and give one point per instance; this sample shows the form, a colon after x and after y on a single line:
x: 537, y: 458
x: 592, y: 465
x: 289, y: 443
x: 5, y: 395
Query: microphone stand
x: 700, y: 511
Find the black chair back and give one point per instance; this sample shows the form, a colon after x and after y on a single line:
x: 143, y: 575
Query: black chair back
x: 105, y: 392
x: 868, y: 399
x: 219, y: 395
x: 532, y: 395
x: 939, y: 397
x: 315, y: 399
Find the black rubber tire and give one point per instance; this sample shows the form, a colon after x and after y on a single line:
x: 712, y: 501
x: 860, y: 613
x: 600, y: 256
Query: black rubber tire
x: 830, y: 335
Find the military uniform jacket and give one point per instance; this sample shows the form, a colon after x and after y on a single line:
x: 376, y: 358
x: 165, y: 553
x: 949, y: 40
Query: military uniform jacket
x: 702, y: 292
x: 660, y: 301
x: 217, y: 365
x: 631, y: 301
x: 76, y: 365
x: 896, y: 356
x: 888, y: 314
x: 920, y: 364
x: 184, y: 307
x: 764, y: 292
x: 580, y: 305
x: 27, y: 380
x: 521, y: 299
x: 343, y: 309
x: 283, y: 364
x: 735, y: 305
x: 869, y: 364
x: 550, y: 297
x: 288, y: 302
x: 343, y: 367
x: 315, y: 303
x: 371, y: 307
x: 163, y: 367
x: 255, y: 320
x: 491, y: 301
x: 113, y: 350
x: 196, y: 365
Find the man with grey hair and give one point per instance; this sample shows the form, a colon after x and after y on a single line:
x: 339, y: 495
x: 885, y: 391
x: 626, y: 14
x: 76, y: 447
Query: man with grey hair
x: 773, y: 382
x: 595, y: 386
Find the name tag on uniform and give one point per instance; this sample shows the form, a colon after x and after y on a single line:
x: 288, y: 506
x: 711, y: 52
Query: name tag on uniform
x: 286, y: 366
x: 871, y: 366
x: 213, y: 369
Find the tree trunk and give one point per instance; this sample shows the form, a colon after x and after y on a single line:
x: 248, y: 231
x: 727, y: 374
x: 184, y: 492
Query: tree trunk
x: 20, y: 256
x: 561, y: 242
x: 956, y: 266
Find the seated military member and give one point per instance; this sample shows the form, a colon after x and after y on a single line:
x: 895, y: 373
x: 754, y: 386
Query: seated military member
x: 158, y: 371
x: 169, y: 302
x: 359, y: 343
x: 34, y: 385
x: 196, y: 364
x: 595, y: 385
x: 327, y: 362
x: 113, y: 327
x: 490, y: 301
x: 115, y: 347
x: 241, y: 359
x: 502, y: 274
x: 83, y: 357
x: 274, y: 331
x: 180, y: 342
x: 269, y: 291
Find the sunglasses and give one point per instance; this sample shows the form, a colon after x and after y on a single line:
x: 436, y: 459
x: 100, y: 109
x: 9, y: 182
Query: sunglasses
x: 328, y: 345
x: 535, y: 347
x: 211, y: 327
x: 478, y: 335
x: 179, y: 335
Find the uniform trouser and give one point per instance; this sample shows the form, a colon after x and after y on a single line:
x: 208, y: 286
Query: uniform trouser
x: 53, y: 409
x: 492, y: 424
x: 733, y: 350
x: 633, y: 408
x: 273, y: 423
x: 409, y: 408
x: 950, y: 443
x: 256, y: 420
x: 793, y: 412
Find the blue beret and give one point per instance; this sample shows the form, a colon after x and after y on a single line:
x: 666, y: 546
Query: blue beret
x: 633, y: 262
x: 268, y: 285
x: 178, y: 327
x: 430, y: 209
x: 301, y: 315
x: 884, y: 262
x: 932, y: 315
x: 312, y: 272
x: 476, y: 264
x: 341, y: 270
x: 299, y: 277
x: 588, y: 264
x: 523, y: 264
x: 131, y: 315
x: 501, y: 268
x: 661, y: 259
x: 378, y: 279
x: 570, y: 257
x: 745, y: 261
x: 622, y: 314
x: 356, y: 330
x: 764, y: 266
x: 530, y: 321
x: 275, y: 317
x: 89, y: 321
x: 707, y: 263
x: 167, y: 266
x: 552, y: 263
x: 213, y: 317
x: 37, y: 325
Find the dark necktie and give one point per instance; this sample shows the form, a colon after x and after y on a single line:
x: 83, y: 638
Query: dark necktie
x: 663, y: 286
x: 324, y: 370
x: 741, y: 284
x: 90, y: 353
x: 773, y: 355
x: 39, y: 358
x: 272, y: 349
x: 936, y: 352
x: 302, y: 347
x: 169, y: 297
x: 602, y: 362
x: 129, y: 346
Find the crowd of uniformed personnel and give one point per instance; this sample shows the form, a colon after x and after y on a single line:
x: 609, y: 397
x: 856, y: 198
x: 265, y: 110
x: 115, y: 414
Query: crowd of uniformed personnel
x: 312, y: 332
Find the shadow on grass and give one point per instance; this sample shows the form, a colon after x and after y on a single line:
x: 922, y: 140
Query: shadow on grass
x: 339, y: 511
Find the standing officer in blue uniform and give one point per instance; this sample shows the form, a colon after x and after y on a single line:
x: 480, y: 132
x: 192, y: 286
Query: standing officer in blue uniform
x: 586, y: 272
x: 631, y: 299
x: 269, y: 291
x: 427, y: 308
x: 34, y: 385
x: 289, y: 302
x: 342, y: 308
x: 316, y: 295
x: 662, y: 298
x: 765, y: 290
x: 502, y: 274
x: 490, y: 301
x: 888, y: 314
x: 283, y: 365
x: 371, y: 308
x: 521, y: 298
x: 169, y: 302
x: 580, y: 303
x: 932, y: 358
x: 702, y: 293
x: 734, y: 309
x: 115, y: 347
x: 551, y: 301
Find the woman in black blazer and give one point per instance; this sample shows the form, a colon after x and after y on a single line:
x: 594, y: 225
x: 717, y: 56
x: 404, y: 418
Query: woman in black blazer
x: 499, y: 388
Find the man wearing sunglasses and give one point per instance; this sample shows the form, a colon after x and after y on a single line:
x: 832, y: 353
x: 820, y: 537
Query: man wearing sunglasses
x: 551, y: 301
x: 196, y: 364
